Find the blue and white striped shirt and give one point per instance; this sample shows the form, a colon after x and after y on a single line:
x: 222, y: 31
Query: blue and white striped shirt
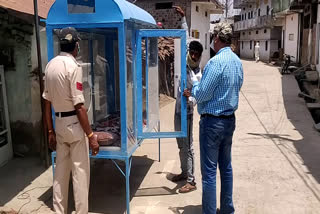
x: 218, y: 91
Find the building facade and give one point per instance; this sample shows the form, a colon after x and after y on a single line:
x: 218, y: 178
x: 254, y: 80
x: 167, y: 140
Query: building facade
x: 258, y: 24
x: 18, y: 56
x: 197, y: 14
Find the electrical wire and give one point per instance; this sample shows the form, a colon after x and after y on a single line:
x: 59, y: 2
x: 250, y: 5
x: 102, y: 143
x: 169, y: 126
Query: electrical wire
x: 25, y: 195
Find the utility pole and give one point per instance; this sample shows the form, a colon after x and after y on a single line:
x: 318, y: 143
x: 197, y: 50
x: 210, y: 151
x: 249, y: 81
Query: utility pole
x: 43, y: 140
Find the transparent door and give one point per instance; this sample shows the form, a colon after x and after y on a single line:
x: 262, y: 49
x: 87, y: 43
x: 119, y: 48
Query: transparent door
x: 159, y: 115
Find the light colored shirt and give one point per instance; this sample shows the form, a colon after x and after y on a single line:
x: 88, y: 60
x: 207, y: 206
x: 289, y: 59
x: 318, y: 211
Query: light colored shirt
x: 63, y: 83
x: 218, y: 91
x: 184, y: 25
x: 191, y: 102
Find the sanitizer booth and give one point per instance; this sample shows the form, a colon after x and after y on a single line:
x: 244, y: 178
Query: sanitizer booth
x: 119, y: 58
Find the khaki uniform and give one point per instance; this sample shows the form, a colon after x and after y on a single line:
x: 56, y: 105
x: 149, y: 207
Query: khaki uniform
x: 63, y: 88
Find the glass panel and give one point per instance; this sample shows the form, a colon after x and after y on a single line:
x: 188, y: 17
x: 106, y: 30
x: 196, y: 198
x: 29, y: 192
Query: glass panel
x: 81, y: 6
x: 152, y: 84
x: 99, y: 61
x: 131, y: 104
x: 3, y: 124
x: 161, y: 65
x: 2, y: 109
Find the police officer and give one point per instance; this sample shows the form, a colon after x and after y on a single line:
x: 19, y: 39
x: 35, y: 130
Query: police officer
x: 72, y: 136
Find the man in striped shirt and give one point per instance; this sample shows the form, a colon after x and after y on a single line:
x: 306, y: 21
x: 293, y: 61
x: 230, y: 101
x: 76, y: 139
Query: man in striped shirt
x: 217, y: 95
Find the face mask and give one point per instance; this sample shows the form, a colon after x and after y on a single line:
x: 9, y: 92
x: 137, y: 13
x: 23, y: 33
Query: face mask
x: 78, y: 49
x: 192, y: 63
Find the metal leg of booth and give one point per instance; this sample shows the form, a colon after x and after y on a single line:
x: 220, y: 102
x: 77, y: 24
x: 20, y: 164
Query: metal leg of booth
x: 159, y: 141
x: 128, y: 171
x: 128, y: 162
x: 53, y: 155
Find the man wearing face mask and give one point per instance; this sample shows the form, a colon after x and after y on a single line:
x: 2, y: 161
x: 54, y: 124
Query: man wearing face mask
x: 185, y: 145
x: 217, y: 96
x: 72, y: 136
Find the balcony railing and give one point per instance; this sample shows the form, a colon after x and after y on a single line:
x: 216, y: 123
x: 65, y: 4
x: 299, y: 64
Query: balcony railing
x: 238, y: 4
x: 255, y: 23
x: 280, y: 5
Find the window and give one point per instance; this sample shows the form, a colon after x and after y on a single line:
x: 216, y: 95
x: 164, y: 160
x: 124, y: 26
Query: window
x: 242, y: 44
x: 250, y: 6
x: 250, y: 45
x: 249, y: 33
x: 268, y: 10
x: 166, y: 5
x: 195, y: 34
x: 206, y: 41
x: 265, y: 31
x: 291, y: 37
x: 244, y: 33
x: 81, y: 6
x: 279, y: 44
x: 251, y: 14
x: 245, y: 16
x: 206, y: 14
x: 259, y: 12
x: 257, y: 32
x: 267, y: 44
x: 244, y: 9
x: 197, y: 8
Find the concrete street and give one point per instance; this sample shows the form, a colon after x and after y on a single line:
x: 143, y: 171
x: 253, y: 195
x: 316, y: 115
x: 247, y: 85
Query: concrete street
x: 276, y: 161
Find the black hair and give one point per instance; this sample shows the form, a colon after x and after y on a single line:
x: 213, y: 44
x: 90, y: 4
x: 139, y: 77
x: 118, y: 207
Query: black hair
x: 196, y: 46
x: 68, y: 47
x: 226, y: 41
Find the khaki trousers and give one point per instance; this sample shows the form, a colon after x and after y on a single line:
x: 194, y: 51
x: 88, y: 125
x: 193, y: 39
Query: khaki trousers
x: 72, y: 156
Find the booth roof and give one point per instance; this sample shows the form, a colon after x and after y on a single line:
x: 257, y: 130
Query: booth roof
x: 110, y: 11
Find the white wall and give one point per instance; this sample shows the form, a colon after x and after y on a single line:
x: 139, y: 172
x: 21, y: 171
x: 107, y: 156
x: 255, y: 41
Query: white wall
x: 318, y: 41
x: 291, y: 27
x: 274, y: 47
x: 264, y: 53
x: 252, y: 35
x: 246, y: 52
x: 263, y: 7
x: 201, y: 23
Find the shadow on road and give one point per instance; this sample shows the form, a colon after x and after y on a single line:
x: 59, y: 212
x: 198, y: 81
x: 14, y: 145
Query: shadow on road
x: 16, y: 175
x: 107, y: 185
x: 308, y: 147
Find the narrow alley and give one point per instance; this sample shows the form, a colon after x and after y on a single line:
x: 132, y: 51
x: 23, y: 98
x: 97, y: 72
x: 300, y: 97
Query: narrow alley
x: 275, y: 159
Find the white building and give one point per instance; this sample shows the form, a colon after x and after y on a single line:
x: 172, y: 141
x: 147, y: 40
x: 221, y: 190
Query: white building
x: 200, y: 26
x: 197, y: 13
x: 258, y: 25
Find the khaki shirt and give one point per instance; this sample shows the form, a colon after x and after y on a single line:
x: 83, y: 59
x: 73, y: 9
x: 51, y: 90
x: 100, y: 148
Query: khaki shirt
x: 63, y: 83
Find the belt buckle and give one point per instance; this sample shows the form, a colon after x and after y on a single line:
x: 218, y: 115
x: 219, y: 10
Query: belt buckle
x: 59, y: 115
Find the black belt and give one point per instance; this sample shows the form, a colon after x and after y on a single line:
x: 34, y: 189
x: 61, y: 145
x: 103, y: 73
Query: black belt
x: 220, y: 116
x: 66, y: 114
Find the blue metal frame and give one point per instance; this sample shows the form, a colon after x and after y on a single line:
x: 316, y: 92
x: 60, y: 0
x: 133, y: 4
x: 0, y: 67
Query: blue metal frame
x: 110, y: 80
x: 93, y: 96
x: 121, y: 13
x: 147, y: 78
x: 141, y: 34
x: 123, y: 86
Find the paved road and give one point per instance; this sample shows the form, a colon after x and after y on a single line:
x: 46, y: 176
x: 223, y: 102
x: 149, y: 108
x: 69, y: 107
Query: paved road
x: 276, y: 160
